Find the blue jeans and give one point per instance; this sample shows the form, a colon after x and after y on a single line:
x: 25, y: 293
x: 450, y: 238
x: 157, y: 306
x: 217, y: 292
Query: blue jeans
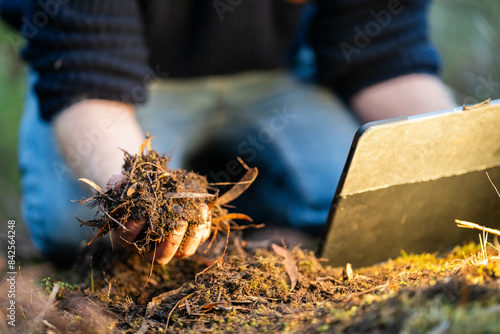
x: 297, y: 134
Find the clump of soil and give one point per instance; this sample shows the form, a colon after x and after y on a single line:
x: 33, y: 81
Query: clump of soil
x: 149, y: 190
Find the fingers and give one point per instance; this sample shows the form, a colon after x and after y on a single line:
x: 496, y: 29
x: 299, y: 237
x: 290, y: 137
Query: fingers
x: 200, y: 233
x: 206, y: 215
x: 169, y: 248
x: 115, y: 182
x: 123, y: 238
x: 166, y: 250
x: 206, y: 232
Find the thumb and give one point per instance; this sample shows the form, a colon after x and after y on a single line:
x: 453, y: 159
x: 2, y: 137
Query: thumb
x: 125, y: 238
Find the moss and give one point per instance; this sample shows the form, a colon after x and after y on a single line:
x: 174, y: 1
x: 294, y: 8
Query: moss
x: 64, y: 288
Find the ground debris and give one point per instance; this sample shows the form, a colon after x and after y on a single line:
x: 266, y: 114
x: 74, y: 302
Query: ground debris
x: 290, y: 267
x: 251, y: 293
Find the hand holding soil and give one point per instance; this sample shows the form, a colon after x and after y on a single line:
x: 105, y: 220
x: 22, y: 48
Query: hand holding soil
x: 162, y: 213
x: 170, y: 247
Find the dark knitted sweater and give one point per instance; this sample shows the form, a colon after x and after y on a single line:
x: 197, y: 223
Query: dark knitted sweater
x: 110, y: 49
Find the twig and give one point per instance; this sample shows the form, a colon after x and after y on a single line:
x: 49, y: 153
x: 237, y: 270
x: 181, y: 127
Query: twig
x: 227, y: 242
x: 116, y: 221
x: 465, y: 224
x: 124, y: 189
x: 50, y: 301
x: 91, y: 276
x: 357, y: 294
x: 144, y: 327
x: 488, y: 175
x: 175, y: 306
x: 204, y: 270
x: 48, y: 324
x: 152, y: 265
x: 228, y: 183
x: 158, y: 299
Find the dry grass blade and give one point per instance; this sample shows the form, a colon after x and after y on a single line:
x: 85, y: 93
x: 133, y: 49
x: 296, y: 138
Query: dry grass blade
x: 244, y: 227
x: 92, y: 184
x: 146, y: 143
x: 83, y: 222
x: 158, y: 299
x: 478, y: 105
x: 99, y: 234
x: 238, y: 188
x: 113, y: 219
x: 216, y: 262
x: 290, y: 267
x: 175, y: 306
x: 466, y: 224
x: 349, y: 272
x: 240, y: 216
x: 188, y: 195
x: 494, y: 187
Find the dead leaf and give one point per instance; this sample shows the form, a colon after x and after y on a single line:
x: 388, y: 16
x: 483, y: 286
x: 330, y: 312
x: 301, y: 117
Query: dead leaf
x: 158, y: 299
x: 92, y: 184
x: 188, y: 308
x: 83, y: 222
x: 146, y: 143
x: 349, y: 272
x: 208, y: 307
x: 238, y: 188
x: 290, y: 267
x: 131, y: 190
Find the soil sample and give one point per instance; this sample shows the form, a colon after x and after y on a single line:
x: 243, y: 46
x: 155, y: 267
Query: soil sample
x: 149, y: 190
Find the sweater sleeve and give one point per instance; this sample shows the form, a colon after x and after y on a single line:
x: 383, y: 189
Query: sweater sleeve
x: 86, y: 49
x: 359, y: 43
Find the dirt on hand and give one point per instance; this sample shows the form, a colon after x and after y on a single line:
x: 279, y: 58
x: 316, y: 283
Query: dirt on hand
x: 149, y: 190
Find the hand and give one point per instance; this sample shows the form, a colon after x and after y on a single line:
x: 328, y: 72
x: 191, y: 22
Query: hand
x: 406, y: 95
x: 104, y: 128
x: 168, y: 248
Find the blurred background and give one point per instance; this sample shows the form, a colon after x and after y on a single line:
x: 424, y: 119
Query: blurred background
x: 465, y: 32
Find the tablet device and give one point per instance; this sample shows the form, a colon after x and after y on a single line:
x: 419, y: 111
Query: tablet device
x: 407, y: 179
